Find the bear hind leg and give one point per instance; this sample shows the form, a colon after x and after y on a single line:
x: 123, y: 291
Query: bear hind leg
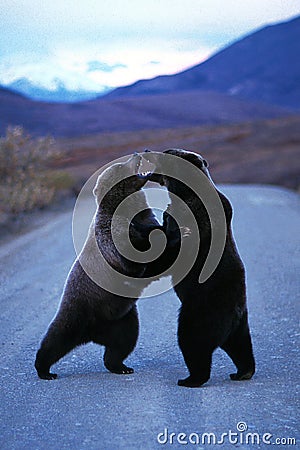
x: 239, y: 348
x: 199, y: 366
x: 121, y: 342
x: 56, y: 344
x: 197, y: 346
x: 113, y: 361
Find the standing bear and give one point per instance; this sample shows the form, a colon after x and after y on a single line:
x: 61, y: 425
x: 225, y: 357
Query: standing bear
x: 213, y: 313
x: 88, y: 311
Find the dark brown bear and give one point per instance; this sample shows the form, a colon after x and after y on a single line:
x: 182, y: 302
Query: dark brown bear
x: 87, y: 311
x: 214, y: 313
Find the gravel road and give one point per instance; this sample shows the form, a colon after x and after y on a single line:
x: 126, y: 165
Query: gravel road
x: 90, y: 408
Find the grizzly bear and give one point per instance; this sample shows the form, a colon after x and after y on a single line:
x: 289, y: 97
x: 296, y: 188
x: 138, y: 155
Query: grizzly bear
x: 88, y: 311
x: 213, y: 313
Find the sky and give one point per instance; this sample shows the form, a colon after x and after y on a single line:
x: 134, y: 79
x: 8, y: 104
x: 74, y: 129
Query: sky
x: 95, y: 44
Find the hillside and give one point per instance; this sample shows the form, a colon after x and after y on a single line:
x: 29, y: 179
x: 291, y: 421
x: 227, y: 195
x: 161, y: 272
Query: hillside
x: 262, y: 152
x: 240, y: 83
x: 264, y: 66
x: 137, y: 113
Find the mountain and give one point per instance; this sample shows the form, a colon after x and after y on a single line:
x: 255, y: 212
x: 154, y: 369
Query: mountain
x: 59, y: 94
x: 124, y: 114
x: 263, y: 66
x: 257, y: 77
x: 7, y: 94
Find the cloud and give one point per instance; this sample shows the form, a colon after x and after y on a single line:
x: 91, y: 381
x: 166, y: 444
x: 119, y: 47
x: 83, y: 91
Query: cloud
x: 94, y: 66
x: 47, y: 72
x: 89, y: 44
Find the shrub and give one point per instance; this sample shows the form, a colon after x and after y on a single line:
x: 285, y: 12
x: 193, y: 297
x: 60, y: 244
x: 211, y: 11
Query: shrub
x: 25, y: 178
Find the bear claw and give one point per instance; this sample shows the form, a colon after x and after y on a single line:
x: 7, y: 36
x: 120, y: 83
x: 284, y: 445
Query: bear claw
x: 123, y: 370
x: 47, y: 376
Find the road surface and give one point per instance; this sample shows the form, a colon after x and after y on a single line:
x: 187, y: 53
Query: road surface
x: 90, y: 408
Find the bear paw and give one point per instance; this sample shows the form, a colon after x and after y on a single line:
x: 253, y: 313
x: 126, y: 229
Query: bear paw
x: 47, y: 376
x: 121, y: 370
x: 241, y: 376
x: 191, y: 382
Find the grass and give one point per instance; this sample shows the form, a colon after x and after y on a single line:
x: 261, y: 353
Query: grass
x: 261, y: 152
x: 27, y: 181
x: 34, y: 172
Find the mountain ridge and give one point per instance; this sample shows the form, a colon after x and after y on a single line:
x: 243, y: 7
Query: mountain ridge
x: 60, y: 94
x: 271, y: 50
x: 274, y: 85
x: 197, y: 96
x: 127, y: 114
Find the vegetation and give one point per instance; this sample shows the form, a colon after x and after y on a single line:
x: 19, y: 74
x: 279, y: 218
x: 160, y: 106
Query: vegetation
x: 259, y: 152
x: 36, y: 171
x: 26, y: 178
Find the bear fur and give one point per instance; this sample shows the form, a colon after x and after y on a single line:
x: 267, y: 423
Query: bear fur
x: 214, y: 313
x: 88, y: 312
